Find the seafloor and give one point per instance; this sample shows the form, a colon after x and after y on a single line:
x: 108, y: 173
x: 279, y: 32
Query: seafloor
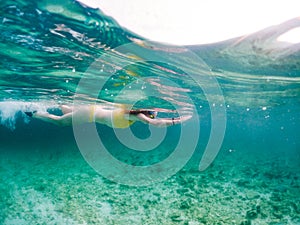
x: 56, y: 186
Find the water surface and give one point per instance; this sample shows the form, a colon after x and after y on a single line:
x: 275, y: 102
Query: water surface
x: 47, y: 48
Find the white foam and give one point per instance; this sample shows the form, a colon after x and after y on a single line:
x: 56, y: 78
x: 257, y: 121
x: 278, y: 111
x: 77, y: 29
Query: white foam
x: 10, y: 111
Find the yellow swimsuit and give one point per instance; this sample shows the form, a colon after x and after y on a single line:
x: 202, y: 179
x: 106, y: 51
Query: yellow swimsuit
x: 119, y: 121
x: 92, y: 114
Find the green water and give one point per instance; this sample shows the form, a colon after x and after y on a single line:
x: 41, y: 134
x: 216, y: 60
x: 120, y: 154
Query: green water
x: 55, y: 53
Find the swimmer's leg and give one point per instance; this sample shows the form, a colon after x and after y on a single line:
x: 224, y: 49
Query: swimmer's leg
x: 66, y: 109
x: 64, y: 120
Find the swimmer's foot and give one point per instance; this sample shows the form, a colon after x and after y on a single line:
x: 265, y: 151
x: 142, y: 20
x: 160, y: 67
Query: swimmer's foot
x: 30, y: 114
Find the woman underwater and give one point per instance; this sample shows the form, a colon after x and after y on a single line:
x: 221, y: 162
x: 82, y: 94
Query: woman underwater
x: 116, y: 117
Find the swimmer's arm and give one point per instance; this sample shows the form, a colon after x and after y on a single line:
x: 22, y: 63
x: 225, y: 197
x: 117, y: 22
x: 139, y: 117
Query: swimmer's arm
x: 162, y: 122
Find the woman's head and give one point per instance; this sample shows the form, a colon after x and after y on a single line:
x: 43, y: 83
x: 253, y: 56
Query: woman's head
x: 149, y: 113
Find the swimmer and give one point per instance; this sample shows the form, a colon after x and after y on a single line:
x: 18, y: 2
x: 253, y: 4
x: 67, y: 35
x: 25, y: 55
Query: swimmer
x: 116, y: 117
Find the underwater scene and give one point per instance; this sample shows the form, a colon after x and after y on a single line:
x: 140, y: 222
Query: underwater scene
x: 208, y: 134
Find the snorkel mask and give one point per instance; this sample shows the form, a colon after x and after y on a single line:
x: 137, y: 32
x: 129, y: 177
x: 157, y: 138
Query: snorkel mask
x: 152, y: 114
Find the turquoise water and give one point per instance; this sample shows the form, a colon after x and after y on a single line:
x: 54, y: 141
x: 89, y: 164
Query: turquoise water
x: 57, y: 53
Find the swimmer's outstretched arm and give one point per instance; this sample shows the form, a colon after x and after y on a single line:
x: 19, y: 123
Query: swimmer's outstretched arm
x: 163, y: 122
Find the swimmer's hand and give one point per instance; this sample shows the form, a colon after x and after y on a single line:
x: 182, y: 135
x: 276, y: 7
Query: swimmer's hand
x: 182, y: 119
